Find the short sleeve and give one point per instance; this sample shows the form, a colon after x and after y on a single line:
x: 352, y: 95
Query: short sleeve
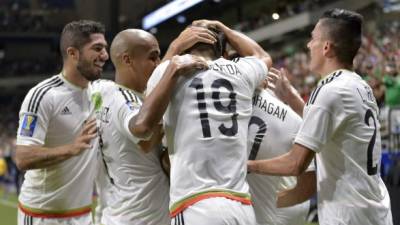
x: 156, y: 77
x: 126, y: 111
x: 323, y: 114
x: 254, y: 70
x: 34, y: 119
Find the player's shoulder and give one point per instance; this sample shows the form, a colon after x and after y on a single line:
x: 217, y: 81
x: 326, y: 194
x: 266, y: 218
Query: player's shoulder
x: 334, y: 84
x: 43, y: 92
x: 125, y: 98
x: 347, y: 84
x: 49, y: 83
x: 342, y: 79
x: 335, y: 89
x: 127, y: 95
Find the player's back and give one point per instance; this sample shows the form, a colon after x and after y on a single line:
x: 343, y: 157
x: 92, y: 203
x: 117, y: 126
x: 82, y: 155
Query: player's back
x: 206, y: 125
x: 272, y: 129
x: 349, y: 146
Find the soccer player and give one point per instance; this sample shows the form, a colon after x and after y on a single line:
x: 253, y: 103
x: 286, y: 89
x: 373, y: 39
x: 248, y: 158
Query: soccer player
x: 272, y: 129
x: 340, y: 128
x: 206, y: 124
x: 137, y: 191
x: 55, y: 132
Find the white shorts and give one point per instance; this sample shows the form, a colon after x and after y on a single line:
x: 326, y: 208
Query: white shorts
x: 294, y: 215
x: 216, y: 211
x: 24, y: 219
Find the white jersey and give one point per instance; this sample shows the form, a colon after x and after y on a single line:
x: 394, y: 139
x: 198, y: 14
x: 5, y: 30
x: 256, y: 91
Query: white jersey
x: 272, y: 129
x: 341, y: 126
x: 138, y: 189
x: 206, y: 126
x: 52, y: 114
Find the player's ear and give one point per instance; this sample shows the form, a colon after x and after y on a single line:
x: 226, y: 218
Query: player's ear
x: 72, y: 53
x: 126, y: 59
x: 328, y: 49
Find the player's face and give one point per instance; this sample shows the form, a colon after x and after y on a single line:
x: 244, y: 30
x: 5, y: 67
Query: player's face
x: 316, y: 45
x: 92, y: 57
x: 145, y: 63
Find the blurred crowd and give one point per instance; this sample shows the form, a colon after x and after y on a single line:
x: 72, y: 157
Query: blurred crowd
x: 284, y: 9
x: 25, y: 67
x: 22, y: 16
x: 10, y: 176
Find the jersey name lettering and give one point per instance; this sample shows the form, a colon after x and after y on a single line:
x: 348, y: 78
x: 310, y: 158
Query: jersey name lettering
x: 225, y: 68
x: 270, y: 107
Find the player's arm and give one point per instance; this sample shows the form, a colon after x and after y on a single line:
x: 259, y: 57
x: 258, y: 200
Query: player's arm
x: 155, y: 139
x: 278, y: 82
x: 305, y: 188
x: 187, y: 38
x: 244, y: 45
x: 156, y: 102
x: 293, y: 163
x: 36, y: 157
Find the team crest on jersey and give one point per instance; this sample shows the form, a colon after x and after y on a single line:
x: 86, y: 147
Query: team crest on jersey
x: 132, y: 105
x: 96, y: 100
x: 28, y: 125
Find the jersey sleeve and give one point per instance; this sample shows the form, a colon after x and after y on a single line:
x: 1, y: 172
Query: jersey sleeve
x: 254, y: 70
x: 127, y: 110
x: 34, y: 117
x: 156, y: 77
x: 323, y: 115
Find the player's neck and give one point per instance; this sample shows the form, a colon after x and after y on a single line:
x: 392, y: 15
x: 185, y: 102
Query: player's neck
x: 73, y: 76
x: 332, y: 67
x: 129, y: 80
x: 206, y: 55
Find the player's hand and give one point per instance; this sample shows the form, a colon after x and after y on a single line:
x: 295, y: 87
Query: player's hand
x: 187, y: 64
x: 82, y: 142
x: 208, y: 23
x: 278, y: 82
x: 192, y: 35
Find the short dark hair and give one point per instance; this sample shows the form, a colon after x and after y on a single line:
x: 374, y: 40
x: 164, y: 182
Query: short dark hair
x: 218, y: 47
x: 77, y: 34
x: 344, y: 29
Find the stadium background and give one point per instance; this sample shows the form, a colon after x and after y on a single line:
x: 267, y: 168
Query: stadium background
x: 29, y: 35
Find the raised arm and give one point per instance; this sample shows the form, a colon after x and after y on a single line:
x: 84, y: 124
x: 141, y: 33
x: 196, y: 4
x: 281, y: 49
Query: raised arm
x: 278, y: 82
x: 187, y: 38
x: 156, y: 102
x: 36, y: 157
x: 244, y: 45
